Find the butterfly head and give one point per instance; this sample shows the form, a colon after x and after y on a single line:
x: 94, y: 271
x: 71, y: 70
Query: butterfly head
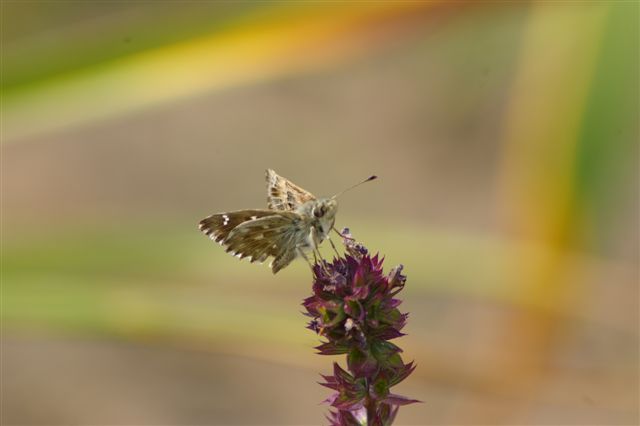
x: 324, y: 213
x: 325, y: 208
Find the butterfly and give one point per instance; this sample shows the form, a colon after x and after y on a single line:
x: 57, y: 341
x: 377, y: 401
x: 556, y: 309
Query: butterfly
x: 294, y: 223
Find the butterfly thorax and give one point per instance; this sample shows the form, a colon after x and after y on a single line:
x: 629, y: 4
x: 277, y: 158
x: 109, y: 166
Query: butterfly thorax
x: 321, y: 214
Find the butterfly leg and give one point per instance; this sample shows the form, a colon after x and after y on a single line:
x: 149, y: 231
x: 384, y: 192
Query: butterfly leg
x: 316, y: 243
x: 304, y: 255
x: 334, y: 247
x: 317, y: 251
x: 322, y: 261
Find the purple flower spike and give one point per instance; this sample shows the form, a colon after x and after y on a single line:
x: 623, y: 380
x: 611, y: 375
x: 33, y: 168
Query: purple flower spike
x: 353, y: 307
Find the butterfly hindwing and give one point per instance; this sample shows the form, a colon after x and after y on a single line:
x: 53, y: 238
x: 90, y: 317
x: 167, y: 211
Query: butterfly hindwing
x: 276, y: 236
x: 284, y: 195
x: 257, y: 235
x: 218, y: 226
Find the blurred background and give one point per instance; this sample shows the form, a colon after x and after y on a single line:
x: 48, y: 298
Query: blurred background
x: 506, y: 138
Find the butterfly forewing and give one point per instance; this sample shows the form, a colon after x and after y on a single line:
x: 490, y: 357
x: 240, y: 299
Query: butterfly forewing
x: 282, y: 194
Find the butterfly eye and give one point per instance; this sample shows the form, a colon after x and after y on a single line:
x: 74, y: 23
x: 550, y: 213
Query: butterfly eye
x: 318, y: 211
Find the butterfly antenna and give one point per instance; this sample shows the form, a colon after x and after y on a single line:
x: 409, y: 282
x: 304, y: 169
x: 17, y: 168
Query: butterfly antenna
x: 370, y: 178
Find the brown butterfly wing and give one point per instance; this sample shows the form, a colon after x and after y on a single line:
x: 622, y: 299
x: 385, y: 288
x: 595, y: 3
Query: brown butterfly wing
x: 284, y: 195
x: 258, y: 235
x: 276, y: 236
x: 218, y: 226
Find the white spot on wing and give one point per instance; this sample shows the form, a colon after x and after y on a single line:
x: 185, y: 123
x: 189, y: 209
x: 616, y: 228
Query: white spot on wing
x: 254, y: 217
x: 226, y: 219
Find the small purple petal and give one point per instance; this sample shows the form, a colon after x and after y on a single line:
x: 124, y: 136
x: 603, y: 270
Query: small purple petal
x: 331, y: 348
x: 399, y: 400
x: 389, y: 333
x: 391, y: 303
x: 402, y: 373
